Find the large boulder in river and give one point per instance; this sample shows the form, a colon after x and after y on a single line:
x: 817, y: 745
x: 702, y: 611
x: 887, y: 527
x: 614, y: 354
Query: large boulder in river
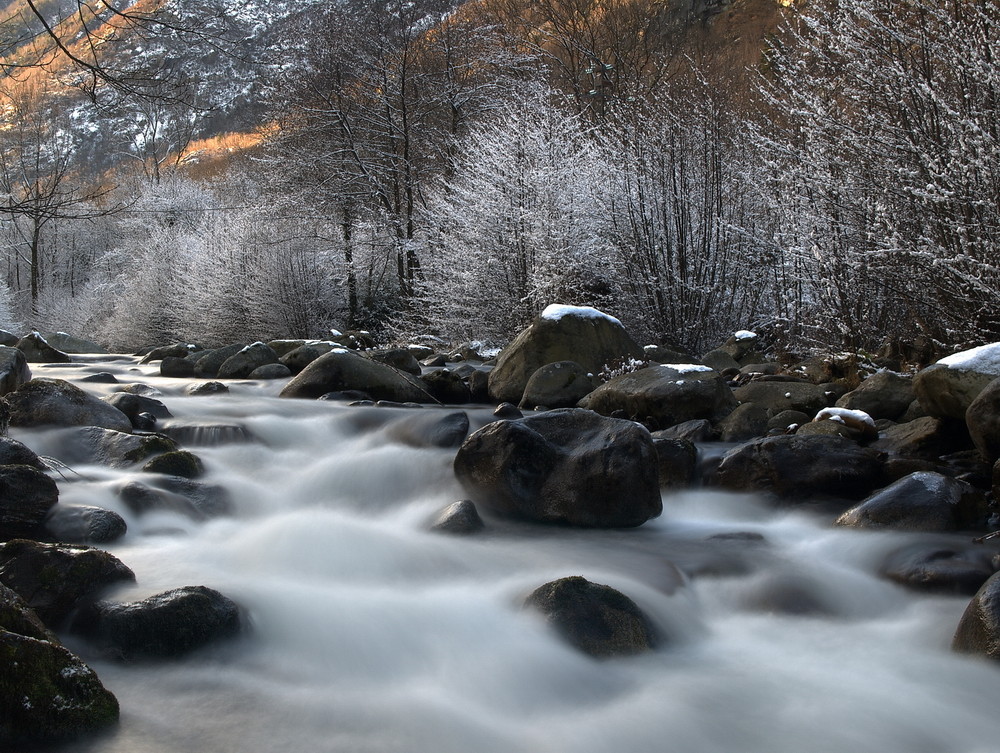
x: 37, y: 350
x: 116, y: 449
x: 48, y: 695
x: 240, y: 365
x: 53, y: 579
x: 41, y: 402
x: 979, y: 629
x: 72, y: 344
x: 561, y: 333
x: 84, y: 524
x: 26, y: 496
x: 166, y: 625
x: 557, y: 385
x: 565, y: 466
x: 342, y: 369
x: 207, y: 363
x: 983, y: 421
x: 596, y: 619
x: 922, y: 501
x: 665, y: 394
x: 801, y: 468
x: 947, y: 388
x: 14, y: 369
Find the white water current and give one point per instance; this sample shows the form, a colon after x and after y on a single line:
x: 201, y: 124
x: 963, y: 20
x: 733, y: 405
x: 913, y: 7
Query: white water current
x: 371, y: 634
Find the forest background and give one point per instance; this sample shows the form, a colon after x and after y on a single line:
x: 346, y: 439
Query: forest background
x: 826, y: 174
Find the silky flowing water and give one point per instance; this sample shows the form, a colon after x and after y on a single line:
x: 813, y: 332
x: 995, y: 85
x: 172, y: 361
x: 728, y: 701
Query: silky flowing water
x: 369, y: 633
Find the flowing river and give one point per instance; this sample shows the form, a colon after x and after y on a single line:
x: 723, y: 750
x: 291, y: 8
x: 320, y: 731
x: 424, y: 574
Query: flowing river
x: 370, y: 633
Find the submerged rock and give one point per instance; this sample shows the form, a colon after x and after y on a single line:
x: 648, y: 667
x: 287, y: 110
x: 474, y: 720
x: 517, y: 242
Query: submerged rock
x: 565, y: 466
x: 940, y: 568
x: 84, y: 524
x: 921, y: 501
x: 55, y: 402
x: 460, y: 517
x: 167, y: 625
x: 596, y: 619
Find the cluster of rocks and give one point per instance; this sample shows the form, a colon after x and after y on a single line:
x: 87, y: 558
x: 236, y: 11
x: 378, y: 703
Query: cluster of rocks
x: 52, y: 578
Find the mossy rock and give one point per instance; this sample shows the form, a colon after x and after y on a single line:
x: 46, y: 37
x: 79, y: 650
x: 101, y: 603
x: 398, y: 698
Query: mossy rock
x: 176, y: 463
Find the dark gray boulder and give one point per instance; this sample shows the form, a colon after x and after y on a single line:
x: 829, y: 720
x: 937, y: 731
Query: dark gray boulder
x: 596, y: 619
x: 14, y: 370
x: 926, y: 437
x: 664, y: 395
x: 8, y: 338
x: 116, y: 449
x: 48, y: 695
x: 296, y: 360
x: 882, y: 395
x: 176, y: 350
x: 566, y: 466
x: 922, y: 501
x: 561, y: 333
x: 84, y: 524
x: 800, y: 468
x: 460, y: 517
x: 207, y: 388
x: 134, y: 406
x: 41, y: 402
x: 13, y: 452
x: 781, y: 396
x: 26, y: 496
x: 677, y: 461
x: 558, y: 385
x: 167, y: 625
x: 181, y: 463
x: 398, y: 358
x: 177, y: 368
x: 37, y: 350
x: 342, y: 369
x: 53, y: 579
x: 241, y: 364
x: 430, y: 429
x: 18, y: 617
x: 940, y: 568
x: 747, y: 421
x: 208, y: 363
x: 983, y: 421
x: 947, y: 388
x: 271, y: 371
x: 447, y: 386
x: 72, y: 344
x: 979, y: 629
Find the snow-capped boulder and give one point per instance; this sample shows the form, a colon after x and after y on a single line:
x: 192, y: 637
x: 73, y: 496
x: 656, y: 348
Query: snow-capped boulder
x: 665, y: 395
x: 947, y: 388
x: 596, y: 619
x: 979, y: 629
x: 561, y: 333
x: 800, y: 468
x: 14, y: 369
x: 564, y: 466
x: 921, y: 501
x: 882, y: 395
x: 343, y: 369
x: 557, y: 385
x: 983, y: 421
x: 166, y: 625
x: 37, y: 350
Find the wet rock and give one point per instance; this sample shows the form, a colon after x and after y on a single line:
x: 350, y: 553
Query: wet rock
x: 134, y: 406
x: 447, y: 387
x: 460, y: 517
x: 271, y: 371
x: 747, y: 421
x: 800, y: 468
x: 596, y: 619
x: 940, y: 569
x: 37, y: 350
x: 398, y: 358
x: 26, y: 496
x: 18, y: 617
x: 193, y: 499
x: 342, y: 369
x: 13, y: 452
x: 664, y: 395
x: 561, y: 333
x: 176, y: 350
x: 208, y: 363
x: 557, y: 385
x: 8, y: 338
x: 208, y: 388
x: 48, y: 695
x: 983, y: 421
x: 177, y: 368
x: 564, y: 466
x: 90, y: 444
x: 479, y: 385
x: 430, y: 429
x: 781, y: 396
x: 296, y: 360
x: 14, y: 370
x: 176, y: 463
x: 979, y: 629
x: 677, y: 462
x: 54, y: 579
x: 101, y: 377
x: 921, y: 501
x: 507, y: 411
x: 167, y: 625
x: 71, y: 344
x: 42, y: 402
x: 241, y: 364
x: 926, y: 437
x: 882, y: 395
x: 84, y: 524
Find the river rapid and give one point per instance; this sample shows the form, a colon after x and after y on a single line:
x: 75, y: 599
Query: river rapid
x: 369, y: 633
